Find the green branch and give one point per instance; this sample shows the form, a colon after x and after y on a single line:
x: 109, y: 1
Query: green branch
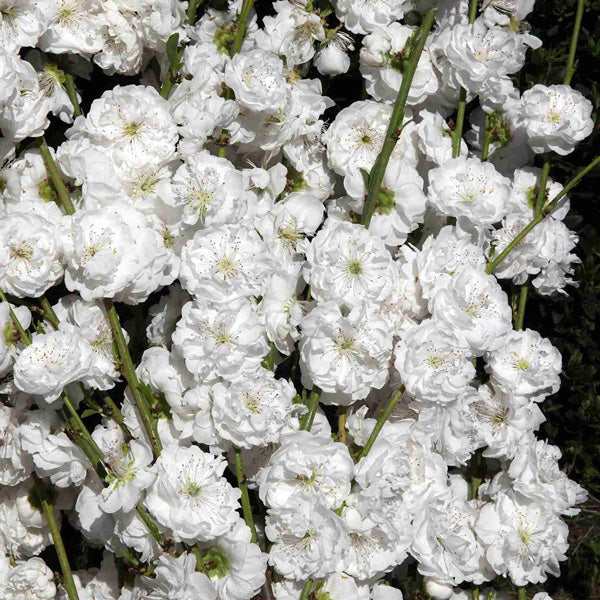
x: 56, y: 177
x: 128, y: 371
x: 385, y: 415
x: 573, y: 48
x: 306, y: 421
x: 549, y: 208
x: 520, y: 314
x: 487, y: 138
x: 72, y: 93
x: 460, y: 123
x: 306, y: 588
x: 462, y: 98
x: 243, y: 485
x: 24, y: 335
x: 395, y: 125
x: 242, y: 24
x: 47, y: 505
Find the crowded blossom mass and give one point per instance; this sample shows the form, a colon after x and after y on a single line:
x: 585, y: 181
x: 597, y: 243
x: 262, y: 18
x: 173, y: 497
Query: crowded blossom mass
x: 262, y: 338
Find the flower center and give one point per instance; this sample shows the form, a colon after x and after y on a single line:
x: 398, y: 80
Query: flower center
x: 132, y: 129
x: 252, y: 403
x: 522, y: 364
x: 192, y: 489
x: 354, y: 267
x: 64, y: 15
x: 436, y: 361
x: 22, y: 251
x: 345, y: 345
x: 222, y: 336
x: 226, y: 266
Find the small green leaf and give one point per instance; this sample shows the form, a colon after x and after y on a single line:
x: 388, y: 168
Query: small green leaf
x: 88, y: 412
x: 173, y: 53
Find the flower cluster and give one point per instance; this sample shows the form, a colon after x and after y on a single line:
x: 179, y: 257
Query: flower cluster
x: 314, y: 402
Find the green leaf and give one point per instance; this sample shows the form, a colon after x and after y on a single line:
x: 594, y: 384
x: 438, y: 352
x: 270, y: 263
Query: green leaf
x: 173, y: 53
x: 88, y: 412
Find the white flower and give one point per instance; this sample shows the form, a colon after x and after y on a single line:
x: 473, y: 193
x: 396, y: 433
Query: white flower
x: 443, y: 256
x: 525, y: 257
x: 31, y: 579
x: 286, y: 226
x: 525, y: 191
x: 15, y: 464
x: 435, y: 138
x: 225, y: 262
x: 283, y: 310
x: 291, y: 33
x: 252, y: 412
x: 556, y: 118
x: 345, y: 353
x: 467, y: 187
x: 308, y: 539
x: 8, y: 75
x: 92, y: 323
x: 54, y: 455
x: 51, y: 80
x: 225, y: 341
x: 364, y: 16
x: 478, y: 52
x: 26, y: 112
x: 306, y: 468
x: 22, y: 23
x: 401, y: 203
x: 383, y: 58
x: 356, y: 136
x: 52, y: 361
x: 526, y: 364
x: 177, y: 579
x: 133, y: 123
x: 75, y: 27
x: 523, y: 539
x: 405, y: 304
x: 434, y: 362
x: 398, y: 475
x: 502, y: 419
x: 445, y: 542
x: 345, y: 262
x: 332, y: 59
x: 31, y: 259
x: 164, y: 316
x: 209, y: 189
x: 537, y: 476
x: 116, y: 253
x: 374, y: 547
x: 476, y: 308
x: 122, y: 44
x: 234, y: 564
x: 256, y: 77
x: 128, y: 475
x: 24, y: 531
x: 190, y: 496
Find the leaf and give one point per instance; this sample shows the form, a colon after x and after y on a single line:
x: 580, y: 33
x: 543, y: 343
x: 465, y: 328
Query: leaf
x: 173, y: 53
x: 88, y: 412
